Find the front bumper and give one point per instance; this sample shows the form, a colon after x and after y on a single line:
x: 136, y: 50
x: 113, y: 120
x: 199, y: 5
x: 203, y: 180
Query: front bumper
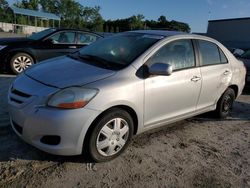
x: 32, y: 120
x: 69, y: 125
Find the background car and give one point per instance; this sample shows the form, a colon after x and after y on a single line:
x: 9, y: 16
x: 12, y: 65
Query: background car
x: 17, y: 54
x: 245, y: 57
x: 236, y: 51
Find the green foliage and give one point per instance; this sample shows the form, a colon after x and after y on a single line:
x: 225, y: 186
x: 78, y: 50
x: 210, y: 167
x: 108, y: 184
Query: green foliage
x: 137, y: 22
x: 5, y: 14
x: 75, y: 15
x: 163, y: 23
x: 28, y: 4
x: 72, y: 13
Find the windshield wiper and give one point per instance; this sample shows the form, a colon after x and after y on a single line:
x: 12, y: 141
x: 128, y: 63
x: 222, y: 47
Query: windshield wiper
x: 96, y: 59
x: 73, y: 56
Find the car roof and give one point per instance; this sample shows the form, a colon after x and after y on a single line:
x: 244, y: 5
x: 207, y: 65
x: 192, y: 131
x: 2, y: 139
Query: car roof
x: 80, y: 30
x: 164, y: 33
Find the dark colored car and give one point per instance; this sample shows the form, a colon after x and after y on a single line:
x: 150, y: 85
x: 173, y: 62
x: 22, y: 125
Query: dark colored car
x: 245, y: 57
x: 17, y: 54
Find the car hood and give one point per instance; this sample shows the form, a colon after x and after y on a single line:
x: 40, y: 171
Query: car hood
x: 64, y: 72
x: 8, y: 41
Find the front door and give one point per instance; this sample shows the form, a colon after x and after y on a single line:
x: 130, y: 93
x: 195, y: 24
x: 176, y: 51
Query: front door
x: 61, y: 43
x: 168, y: 97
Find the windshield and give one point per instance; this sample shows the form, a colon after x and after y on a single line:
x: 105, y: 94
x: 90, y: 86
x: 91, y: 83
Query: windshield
x: 121, y: 49
x: 246, y: 55
x: 41, y: 34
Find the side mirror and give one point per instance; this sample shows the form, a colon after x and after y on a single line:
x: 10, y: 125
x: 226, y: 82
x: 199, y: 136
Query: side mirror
x: 49, y: 41
x: 160, y: 69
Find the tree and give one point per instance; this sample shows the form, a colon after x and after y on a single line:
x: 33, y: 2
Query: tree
x: 162, y: 19
x: 28, y: 4
x: 92, y: 18
x: 51, y: 6
x: 136, y: 22
x: 5, y: 13
x: 75, y: 15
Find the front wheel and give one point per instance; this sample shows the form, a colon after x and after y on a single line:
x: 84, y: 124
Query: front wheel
x: 20, y: 62
x: 225, y: 104
x: 111, y: 135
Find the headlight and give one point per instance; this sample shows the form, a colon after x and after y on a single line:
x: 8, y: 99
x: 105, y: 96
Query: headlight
x: 2, y: 47
x: 72, y: 98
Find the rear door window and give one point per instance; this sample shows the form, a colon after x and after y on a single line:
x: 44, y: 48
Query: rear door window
x: 210, y: 53
x: 86, y: 39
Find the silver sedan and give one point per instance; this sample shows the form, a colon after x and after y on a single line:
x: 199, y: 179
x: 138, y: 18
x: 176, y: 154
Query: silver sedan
x: 95, y: 100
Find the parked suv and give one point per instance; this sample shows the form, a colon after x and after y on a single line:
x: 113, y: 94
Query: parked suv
x: 123, y: 85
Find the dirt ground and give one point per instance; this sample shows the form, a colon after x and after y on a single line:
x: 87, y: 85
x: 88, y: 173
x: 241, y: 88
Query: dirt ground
x: 198, y: 152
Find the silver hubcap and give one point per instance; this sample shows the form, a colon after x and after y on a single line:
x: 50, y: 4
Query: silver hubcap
x: 112, y: 137
x: 21, y: 63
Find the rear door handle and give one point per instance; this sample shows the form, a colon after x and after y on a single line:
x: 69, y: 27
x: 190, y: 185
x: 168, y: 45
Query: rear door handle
x: 195, y: 79
x: 226, y: 72
x: 72, y: 47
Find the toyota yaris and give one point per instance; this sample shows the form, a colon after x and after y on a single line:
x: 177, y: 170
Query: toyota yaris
x: 97, y: 99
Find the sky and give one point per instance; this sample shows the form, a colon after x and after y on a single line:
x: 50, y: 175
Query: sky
x: 194, y: 12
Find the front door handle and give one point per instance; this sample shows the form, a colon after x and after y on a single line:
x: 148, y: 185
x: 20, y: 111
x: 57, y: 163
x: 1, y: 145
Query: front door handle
x: 195, y: 79
x: 72, y: 47
x: 226, y: 72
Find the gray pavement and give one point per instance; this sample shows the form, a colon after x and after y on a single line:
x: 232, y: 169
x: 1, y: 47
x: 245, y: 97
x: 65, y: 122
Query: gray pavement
x: 5, y: 82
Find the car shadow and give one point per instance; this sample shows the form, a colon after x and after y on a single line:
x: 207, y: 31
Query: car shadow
x: 13, y: 148
x: 240, y: 112
x: 16, y: 149
x: 246, y: 91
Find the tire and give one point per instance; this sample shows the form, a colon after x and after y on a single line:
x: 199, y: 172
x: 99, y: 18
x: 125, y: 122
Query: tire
x: 20, y: 61
x: 108, y: 141
x: 225, y: 104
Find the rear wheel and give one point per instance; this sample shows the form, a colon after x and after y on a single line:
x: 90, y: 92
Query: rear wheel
x: 111, y: 135
x: 20, y: 62
x: 225, y: 104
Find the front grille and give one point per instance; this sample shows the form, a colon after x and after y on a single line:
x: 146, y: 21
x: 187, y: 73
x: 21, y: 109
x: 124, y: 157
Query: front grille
x: 17, y: 127
x: 15, y: 100
x: 19, y: 93
x: 18, y: 97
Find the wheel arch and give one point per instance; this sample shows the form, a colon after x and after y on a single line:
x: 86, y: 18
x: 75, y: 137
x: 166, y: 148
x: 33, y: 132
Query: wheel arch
x: 235, y: 88
x: 16, y: 51
x: 126, y: 108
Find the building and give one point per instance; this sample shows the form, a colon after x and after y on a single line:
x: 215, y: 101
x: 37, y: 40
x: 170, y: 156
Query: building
x: 35, y: 21
x: 233, y: 33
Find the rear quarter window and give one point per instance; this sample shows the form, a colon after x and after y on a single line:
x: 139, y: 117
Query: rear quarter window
x: 223, y: 58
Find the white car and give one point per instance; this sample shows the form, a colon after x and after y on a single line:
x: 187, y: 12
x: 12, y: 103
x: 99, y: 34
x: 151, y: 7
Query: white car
x: 122, y: 85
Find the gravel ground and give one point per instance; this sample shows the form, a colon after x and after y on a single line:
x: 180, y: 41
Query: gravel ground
x: 198, y: 152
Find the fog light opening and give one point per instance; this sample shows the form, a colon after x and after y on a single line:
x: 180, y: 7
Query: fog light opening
x: 51, y: 140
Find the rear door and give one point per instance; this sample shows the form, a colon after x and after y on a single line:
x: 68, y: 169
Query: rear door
x: 216, y: 73
x: 85, y: 39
